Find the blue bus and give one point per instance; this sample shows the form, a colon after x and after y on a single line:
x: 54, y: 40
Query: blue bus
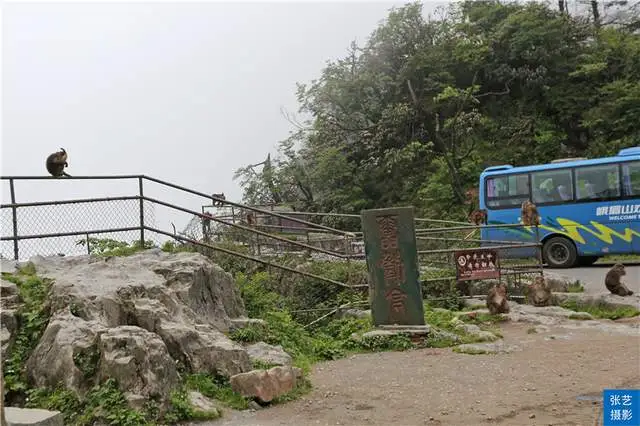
x: 588, y: 207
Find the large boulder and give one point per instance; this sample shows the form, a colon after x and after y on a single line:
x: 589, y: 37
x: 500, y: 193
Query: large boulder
x: 134, y: 319
x: 265, y: 385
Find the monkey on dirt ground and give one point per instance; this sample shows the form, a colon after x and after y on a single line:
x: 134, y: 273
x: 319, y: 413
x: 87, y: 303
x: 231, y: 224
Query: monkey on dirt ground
x: 56, y: 163
x: 539, y: 292
x: 613, y: 281
x: 529, y: 214
x: 497, y: 302
x: 478, y: 217
x: 218, y: 202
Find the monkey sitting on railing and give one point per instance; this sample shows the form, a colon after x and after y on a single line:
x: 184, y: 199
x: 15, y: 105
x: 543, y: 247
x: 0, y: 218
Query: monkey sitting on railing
x: 56, y: 163
x: 218, y: 199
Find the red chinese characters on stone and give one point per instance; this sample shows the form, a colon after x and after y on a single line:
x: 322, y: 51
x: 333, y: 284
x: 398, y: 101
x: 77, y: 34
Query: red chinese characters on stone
x: 396, y: 298
x: 392, y: 268
x: 388, y: 226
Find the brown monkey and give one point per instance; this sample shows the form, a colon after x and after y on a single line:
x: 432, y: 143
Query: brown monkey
x: 251, y: 220
x: 529, y: 214
x: 56, y: 163
x: 539, y: 292
x: 497, y: 300
x: 218, y: 199
x: 206, y: 224
x: 613, y: 281
x: 478, y: 217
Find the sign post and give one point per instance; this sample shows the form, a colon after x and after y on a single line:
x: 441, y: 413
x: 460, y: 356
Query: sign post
x: 392, y: 261
x: 476, y: 264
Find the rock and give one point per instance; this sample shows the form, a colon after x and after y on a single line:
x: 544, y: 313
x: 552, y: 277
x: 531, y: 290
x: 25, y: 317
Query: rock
x: 32, y: 417
x: 443, y: 334
x: 353, y: 313
x: 240, y: 323
x: 138, y: 360
x: 9, y: 302
x: 475, y: 331
x: 266, y: 385
x: 269, y: 354
x: 378, y: 333
x: 138, y: 315
x: 486, y: 348
x: 8, y: 266
x: 8, y: 290
x: 204, y: 349
x: 606, y: 299
x: 202, y: 403
x: 52, y: 361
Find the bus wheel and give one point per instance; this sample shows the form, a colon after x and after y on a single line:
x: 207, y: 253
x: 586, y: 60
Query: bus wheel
x: 559, y: 252
x: 587, y: 260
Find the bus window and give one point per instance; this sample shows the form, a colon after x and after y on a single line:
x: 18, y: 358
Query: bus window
x: 631, y: 179
x: 552, y: 186
x: 600, y: 182
x: 507, y: 191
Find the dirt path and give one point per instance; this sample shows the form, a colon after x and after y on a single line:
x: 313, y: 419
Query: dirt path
x: 551, y: 380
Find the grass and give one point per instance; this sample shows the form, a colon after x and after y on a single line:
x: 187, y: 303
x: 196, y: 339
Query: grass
x: 575, y: 287
x: 601, y: 310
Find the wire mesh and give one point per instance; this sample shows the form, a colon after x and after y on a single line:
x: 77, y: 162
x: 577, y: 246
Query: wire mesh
x: 61, y: 228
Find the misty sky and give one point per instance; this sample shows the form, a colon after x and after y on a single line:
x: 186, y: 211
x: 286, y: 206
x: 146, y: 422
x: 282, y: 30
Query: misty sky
x: 183, y: 92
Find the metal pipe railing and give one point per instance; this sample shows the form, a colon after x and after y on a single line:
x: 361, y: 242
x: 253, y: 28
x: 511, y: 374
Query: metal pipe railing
x: 255, y: 259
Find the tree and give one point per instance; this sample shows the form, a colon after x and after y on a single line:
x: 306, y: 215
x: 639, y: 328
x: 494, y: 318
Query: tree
x: 416, y: 113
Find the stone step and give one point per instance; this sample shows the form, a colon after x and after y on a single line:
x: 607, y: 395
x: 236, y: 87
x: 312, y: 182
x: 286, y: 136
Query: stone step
x: 32, y: 417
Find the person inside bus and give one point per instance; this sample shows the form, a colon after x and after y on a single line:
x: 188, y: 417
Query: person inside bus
x: 546, y: 191
x: 590, y: 190
x: 563, y: 193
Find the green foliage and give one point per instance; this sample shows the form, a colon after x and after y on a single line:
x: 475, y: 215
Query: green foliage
x: 181, y: 409
x: 414, y: 114
x: 103, y: 404
x: 217, y: 388
x: 601, y: 309
x: 33, y: 317
x: 111, y: 247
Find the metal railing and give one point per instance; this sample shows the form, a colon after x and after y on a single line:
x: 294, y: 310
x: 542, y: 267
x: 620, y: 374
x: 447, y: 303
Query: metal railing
x: 140, y: 220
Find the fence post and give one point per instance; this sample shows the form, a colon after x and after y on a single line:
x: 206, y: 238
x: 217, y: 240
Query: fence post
x: 141, y: 212
x: 14, y: 212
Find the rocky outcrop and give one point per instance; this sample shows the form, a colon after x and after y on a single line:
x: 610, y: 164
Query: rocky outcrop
x: 268, y: 354
x: 9, y: 302
x: 135, y: 319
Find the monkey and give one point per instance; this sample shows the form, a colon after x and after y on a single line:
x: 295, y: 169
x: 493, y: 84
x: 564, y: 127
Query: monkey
x: 56, y: 163
x: 529, y: 213
x: 539, y: 292
x: 218, y: 202
x: 478, y: 217
x: 206, y: 224
x: 497, y: 300
x: 613, y: 281
x: 251, y: 219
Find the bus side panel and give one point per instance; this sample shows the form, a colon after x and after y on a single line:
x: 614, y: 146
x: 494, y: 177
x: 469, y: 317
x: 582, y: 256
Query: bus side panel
x: 591, y: 228
x: 502, y: 236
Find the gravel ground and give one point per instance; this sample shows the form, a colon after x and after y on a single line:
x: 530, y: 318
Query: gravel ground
x: 552, y: 379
